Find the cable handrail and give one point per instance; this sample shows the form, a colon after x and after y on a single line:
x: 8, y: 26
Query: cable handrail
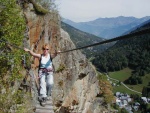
x: 127, y: 36
x: 5, y: 41
x: 141, y: 32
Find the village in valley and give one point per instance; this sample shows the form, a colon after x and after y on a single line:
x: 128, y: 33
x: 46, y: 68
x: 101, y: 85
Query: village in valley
x: 124, y: 100
x: 132, y: 103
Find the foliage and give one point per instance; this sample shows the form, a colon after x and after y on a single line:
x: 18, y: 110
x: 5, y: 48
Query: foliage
x: 48, y: 4
x: 135, y: 97
x: 12, y: 27
x: 123, y: 75
x: 60, y: 68
x: 120, y: 110
x: 60, y: 83
x: 17, y: 102
x: 134, y: 80
x: 44, y: 6
x: 133, y: 53
x: 105, y: 89
x: 115, y: 106
x: 81, y: 39
x: 146, y: 91
x: 143, y: 107
x: 39, y: 9
x: 123, y: 110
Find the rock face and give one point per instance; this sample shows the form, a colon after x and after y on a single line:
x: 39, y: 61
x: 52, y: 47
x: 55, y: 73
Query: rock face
x: 75, y: 82
x: 76, y: 86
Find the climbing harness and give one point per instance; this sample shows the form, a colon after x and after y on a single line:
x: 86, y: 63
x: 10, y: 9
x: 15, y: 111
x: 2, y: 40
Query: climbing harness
x: 46, y: 70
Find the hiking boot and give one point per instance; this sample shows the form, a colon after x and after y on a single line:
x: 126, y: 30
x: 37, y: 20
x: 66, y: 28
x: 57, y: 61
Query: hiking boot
x: 43, y: 101
x: 49, y: 98
x: 40, y: 99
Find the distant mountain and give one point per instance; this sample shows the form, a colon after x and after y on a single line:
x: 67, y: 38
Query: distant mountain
x: 138, y: 27
x: 108, y: 27
x: 81, y: 39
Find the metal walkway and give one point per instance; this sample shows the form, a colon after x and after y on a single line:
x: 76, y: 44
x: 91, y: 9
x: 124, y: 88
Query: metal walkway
x: 47, y: 109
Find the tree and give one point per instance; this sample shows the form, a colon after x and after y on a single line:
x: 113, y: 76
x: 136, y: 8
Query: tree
x: 146, y: 91
x: 123, y: 110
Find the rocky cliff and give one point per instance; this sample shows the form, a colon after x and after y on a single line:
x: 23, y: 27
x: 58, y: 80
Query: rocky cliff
x: 76, y: 87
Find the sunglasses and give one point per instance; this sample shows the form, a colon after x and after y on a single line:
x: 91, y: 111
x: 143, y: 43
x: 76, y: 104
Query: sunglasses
x: 45, y: 49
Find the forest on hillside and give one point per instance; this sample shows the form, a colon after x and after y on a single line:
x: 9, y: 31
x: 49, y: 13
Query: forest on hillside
x: 81, y: 39
x: 133, y: 53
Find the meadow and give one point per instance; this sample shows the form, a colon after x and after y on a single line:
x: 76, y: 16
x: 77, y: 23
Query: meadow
x: 125, y: 74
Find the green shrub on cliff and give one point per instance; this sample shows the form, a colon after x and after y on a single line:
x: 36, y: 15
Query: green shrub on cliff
x: 105, y: 89
x: 44, y: 6
x: 12, y: 27
x: 38, y: 8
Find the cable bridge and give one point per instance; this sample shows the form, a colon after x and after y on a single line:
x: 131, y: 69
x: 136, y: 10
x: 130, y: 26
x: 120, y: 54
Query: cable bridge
x: 34, y: 85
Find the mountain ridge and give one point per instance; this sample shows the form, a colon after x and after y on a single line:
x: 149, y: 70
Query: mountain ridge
x: 108, y: 27
x: 81, y: 38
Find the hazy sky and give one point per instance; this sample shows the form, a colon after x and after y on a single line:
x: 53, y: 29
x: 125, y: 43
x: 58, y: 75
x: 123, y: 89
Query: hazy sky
x: 86, y: 10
